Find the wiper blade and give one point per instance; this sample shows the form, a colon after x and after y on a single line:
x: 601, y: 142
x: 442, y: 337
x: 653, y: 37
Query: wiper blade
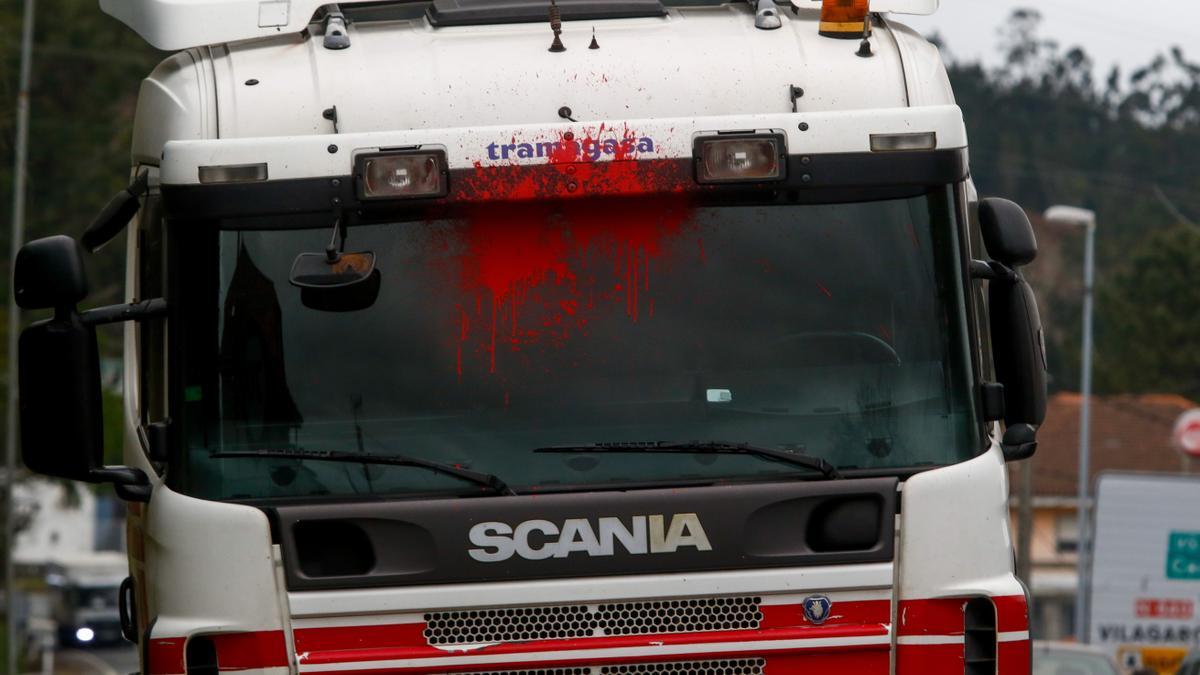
x: 485, y: 479
x: 712, y: 447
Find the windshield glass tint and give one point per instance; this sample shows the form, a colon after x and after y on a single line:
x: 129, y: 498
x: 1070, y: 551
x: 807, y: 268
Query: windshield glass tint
x: 833, y: 330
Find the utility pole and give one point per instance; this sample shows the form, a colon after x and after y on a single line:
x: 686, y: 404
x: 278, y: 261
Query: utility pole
x: 1025, y: 523
x: 14, y: 326
x: 1071, y: 215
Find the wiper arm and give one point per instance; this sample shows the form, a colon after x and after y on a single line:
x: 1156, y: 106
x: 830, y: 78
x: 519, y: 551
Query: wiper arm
x: 485, y: 479
x: 712, y: 447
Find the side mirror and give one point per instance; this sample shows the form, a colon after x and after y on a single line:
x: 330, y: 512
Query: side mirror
x: 62, y: 419
x: 49, y: 274
x: 1018, y: 343
x: 1007, y: 232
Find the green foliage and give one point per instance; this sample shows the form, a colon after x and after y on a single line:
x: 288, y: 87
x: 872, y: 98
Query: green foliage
x: 1044, y: 132
x: 87, y: 68
x: 1153, y: 317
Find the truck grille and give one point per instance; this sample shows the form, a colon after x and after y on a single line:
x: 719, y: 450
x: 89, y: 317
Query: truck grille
x: 725, y: 667
x: 560, y: 622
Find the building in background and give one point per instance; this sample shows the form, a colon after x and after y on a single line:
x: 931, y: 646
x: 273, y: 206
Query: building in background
x: 1129, y: 433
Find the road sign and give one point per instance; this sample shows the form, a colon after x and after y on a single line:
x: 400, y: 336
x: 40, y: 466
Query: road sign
x: 1186, y: 436
x: 1145, y: 603
x: 1183, y: 555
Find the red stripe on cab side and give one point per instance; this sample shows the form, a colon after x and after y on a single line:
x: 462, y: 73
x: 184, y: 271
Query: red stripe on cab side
x: 243, y: 651
x: 944, y: 616
x: 1013, y: 658
x: 929, y: 659
x: 931, y: 617
x: 165, y: 656
x: 1012, y: 613
x: 235, y: 651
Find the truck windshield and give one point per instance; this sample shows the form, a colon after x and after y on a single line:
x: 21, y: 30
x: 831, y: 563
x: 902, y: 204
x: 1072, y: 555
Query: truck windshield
x: 837, y: 331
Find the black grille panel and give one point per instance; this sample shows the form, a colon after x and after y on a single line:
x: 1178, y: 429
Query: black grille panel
x: 560, y: 622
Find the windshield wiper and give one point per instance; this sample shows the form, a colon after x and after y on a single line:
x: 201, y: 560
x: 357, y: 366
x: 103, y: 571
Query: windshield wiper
x: 485, y: 479
x: 711, y: 447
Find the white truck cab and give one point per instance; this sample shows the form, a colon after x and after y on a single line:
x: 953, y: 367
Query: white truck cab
x: 613, y: 337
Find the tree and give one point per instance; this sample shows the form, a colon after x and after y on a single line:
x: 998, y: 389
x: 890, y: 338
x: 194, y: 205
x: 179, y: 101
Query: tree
x: 1149, y: 339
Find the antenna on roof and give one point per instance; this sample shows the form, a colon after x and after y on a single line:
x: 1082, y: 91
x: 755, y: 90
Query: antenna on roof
x: 556, y: 26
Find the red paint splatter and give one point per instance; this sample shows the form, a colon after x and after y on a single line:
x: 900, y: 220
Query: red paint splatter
x: 545, y: 268
x: 541, y: 256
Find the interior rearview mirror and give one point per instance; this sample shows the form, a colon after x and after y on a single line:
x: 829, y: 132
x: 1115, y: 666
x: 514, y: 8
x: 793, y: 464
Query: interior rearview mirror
x: 331, y: 269
x: 336, y: 282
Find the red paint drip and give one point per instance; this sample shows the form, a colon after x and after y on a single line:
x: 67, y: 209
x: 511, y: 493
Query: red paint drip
x: 546, y: 267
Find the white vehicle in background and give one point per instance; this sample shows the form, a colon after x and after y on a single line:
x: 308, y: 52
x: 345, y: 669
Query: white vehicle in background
x: 610, y: 337
x: 83, y: 591
x: 1069, y: 658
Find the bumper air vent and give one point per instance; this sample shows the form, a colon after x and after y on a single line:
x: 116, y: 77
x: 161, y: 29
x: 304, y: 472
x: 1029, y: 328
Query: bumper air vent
x: 979, y: 628
x: 560, y: 622
x: 724, y: 667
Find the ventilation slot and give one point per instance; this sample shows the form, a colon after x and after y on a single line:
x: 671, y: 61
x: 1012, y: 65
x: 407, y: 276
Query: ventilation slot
x: 726, y: 667
x: 979, y: 628
x: 560, y: 622
x: 200, y: 655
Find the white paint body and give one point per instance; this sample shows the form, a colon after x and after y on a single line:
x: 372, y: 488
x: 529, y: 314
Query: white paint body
x: 210, y: 568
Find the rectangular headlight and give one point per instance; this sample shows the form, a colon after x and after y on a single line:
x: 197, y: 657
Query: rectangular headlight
x: 740, y: 158
x: 402, y: 174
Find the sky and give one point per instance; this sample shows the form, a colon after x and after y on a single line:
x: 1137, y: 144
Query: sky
x: 1110, y: 31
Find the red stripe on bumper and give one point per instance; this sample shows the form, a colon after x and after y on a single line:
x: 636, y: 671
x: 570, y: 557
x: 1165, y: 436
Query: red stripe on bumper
x: 565, y: 647
x: 359, y: 637
x: 853, y: 612
x: 857, y: 660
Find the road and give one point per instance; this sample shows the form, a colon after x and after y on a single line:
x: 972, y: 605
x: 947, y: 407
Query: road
x: 108, y: 661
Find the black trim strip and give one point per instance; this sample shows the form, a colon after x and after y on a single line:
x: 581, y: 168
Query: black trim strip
x: 813, y: 178
x: 764, y: 525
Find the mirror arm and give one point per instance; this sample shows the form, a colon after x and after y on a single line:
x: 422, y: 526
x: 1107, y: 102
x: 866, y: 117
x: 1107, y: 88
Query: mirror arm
x: 1019, y: 442
x: 134, y: 311
x: 132, y: 485
x: 992, y: 271
x: 117, y: 213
